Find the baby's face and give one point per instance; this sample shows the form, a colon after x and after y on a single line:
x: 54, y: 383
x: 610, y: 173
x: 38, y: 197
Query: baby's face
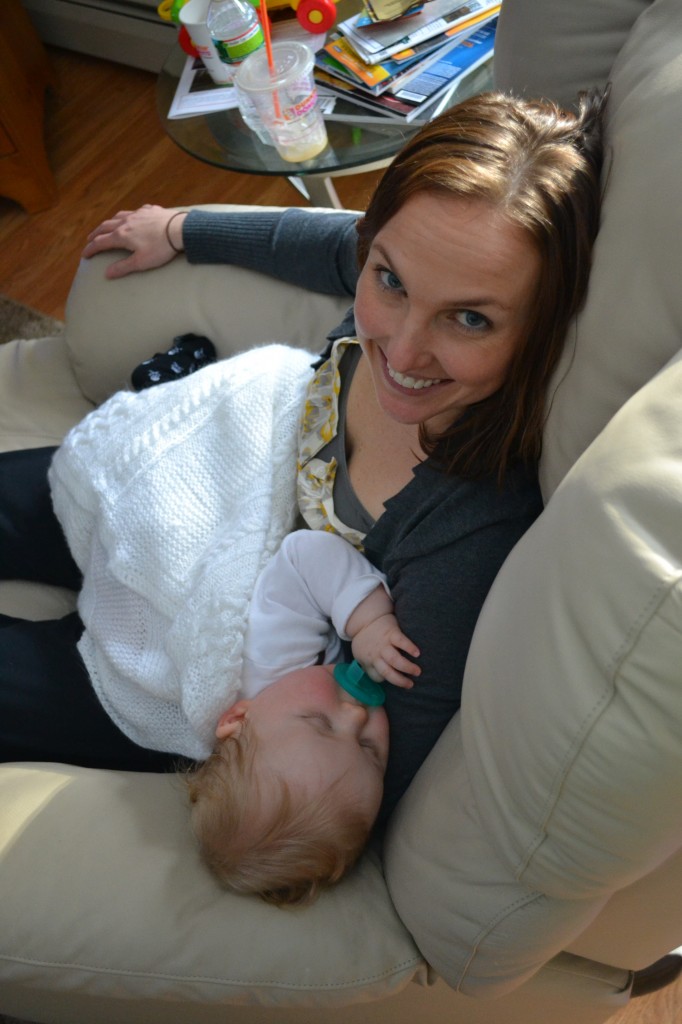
x: 315, y: 735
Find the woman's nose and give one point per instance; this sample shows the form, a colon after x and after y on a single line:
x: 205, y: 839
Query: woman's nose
x: 408, y: 347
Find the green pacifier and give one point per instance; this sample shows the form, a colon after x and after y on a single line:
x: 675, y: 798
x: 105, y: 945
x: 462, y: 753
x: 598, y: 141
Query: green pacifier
x: 358, y: 684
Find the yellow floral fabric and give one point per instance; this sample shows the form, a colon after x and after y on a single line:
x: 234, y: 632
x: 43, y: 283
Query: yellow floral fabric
x: 319, y: 425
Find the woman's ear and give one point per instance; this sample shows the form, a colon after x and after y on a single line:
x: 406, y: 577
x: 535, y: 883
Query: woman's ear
x: 231, y: 721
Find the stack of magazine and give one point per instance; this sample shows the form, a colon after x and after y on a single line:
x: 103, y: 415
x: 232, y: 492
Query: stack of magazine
x: 401, y: 68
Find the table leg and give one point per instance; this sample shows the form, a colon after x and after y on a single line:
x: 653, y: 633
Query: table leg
x: 318, y: 190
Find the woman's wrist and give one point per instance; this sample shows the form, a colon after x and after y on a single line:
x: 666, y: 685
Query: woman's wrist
x: 174, y: 231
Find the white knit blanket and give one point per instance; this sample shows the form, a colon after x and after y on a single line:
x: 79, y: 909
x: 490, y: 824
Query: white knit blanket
x: 172, y: 500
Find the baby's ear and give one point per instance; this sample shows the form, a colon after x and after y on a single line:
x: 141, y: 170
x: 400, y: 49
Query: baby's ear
x: 231, y: 721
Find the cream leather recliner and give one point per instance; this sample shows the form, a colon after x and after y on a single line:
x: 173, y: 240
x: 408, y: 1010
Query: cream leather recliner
x: 535, y: 861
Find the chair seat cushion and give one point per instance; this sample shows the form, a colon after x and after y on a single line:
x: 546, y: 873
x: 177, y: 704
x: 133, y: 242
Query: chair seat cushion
x: 123, y: 904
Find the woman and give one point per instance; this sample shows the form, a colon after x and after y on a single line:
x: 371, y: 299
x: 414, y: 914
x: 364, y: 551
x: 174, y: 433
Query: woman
x: 473, y: 256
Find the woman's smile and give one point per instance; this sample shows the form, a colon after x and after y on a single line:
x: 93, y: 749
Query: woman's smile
x: 411, y: 383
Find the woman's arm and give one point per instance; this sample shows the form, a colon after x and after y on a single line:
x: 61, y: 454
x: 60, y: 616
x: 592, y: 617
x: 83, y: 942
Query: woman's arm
x: 314, y: 250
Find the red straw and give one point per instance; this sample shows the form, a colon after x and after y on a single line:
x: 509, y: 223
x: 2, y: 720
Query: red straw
x: 265, y: 22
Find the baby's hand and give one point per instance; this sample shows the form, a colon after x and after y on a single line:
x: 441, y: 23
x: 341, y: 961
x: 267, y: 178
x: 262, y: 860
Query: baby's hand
x: 381, y: 648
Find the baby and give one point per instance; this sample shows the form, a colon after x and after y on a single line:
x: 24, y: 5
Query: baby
x: 286, y: 802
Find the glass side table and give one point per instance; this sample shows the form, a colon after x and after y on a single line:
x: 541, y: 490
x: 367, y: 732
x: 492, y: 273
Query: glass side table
x: 222, y: 139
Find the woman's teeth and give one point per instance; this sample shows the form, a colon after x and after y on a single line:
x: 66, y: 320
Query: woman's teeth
x: 412, y: 382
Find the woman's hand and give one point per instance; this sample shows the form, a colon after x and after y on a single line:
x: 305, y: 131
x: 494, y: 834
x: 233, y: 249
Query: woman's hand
x: 144, y: 233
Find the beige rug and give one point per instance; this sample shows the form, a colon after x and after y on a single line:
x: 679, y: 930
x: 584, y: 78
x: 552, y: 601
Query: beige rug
x: 17, y: 321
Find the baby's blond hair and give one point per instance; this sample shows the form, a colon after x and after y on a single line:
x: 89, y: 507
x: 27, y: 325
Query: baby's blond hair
x: 287, y: 857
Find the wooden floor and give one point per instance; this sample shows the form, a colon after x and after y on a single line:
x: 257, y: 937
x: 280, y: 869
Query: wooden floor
x: 663, y: 1007
x: 108, y: 151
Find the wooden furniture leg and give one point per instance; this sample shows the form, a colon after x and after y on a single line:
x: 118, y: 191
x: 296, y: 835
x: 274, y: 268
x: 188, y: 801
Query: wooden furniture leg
x: 25, y: 73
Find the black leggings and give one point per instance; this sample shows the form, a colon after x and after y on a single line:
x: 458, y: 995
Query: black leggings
x: 48, y: 708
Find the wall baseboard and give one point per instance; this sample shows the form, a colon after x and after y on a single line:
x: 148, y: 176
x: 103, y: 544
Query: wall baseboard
x: 127, y: 32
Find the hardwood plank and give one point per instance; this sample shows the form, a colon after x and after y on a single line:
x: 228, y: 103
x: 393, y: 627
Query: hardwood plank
x: 662, y: 1007
x: 108, y: 151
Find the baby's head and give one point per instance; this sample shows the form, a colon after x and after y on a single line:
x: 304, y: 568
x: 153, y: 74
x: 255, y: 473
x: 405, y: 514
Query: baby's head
x: 286, y: 802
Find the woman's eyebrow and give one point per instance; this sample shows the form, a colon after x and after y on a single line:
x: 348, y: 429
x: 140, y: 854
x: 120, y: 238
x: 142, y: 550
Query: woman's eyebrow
x: 382, y: 252
x: 482, y: 300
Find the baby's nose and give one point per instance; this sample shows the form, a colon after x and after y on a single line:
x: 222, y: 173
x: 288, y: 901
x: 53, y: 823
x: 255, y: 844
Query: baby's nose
x: 355, y: 714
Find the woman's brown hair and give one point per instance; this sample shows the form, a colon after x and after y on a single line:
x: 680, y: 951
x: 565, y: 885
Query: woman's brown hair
x: 541, y: 167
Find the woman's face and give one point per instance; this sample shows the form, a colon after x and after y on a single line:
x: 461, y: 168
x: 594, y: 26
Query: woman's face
x: 442, y: 303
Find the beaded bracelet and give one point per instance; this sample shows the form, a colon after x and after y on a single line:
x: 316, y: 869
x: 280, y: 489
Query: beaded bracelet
x: 168, y: 224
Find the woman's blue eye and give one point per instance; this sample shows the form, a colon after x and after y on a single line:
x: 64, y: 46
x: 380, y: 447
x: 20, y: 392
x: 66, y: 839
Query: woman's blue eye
x: 389, y: 280
x: 471, y: 320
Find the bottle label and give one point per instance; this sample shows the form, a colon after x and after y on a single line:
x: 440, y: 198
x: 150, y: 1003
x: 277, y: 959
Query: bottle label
x: 233, y: 51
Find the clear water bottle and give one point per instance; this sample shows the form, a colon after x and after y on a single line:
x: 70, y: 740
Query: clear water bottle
x: 235, y: 30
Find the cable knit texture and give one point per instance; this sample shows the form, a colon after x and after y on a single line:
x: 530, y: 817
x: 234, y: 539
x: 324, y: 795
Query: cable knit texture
x: 172, y: 500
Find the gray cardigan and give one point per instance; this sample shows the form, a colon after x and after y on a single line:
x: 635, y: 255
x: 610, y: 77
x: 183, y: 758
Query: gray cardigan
x: 442, y: 539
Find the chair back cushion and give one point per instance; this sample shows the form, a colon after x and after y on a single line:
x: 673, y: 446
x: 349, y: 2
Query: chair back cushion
x: 631, y: 324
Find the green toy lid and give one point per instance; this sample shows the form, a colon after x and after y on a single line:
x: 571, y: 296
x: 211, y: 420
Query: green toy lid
x: 358, y: 684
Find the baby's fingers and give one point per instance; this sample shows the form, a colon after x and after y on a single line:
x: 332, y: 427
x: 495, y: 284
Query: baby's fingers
x: 392, y: 675
x: 382, y: 672
x: 398, y: 639
x: 395, y: 659
x: 394, y: 668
